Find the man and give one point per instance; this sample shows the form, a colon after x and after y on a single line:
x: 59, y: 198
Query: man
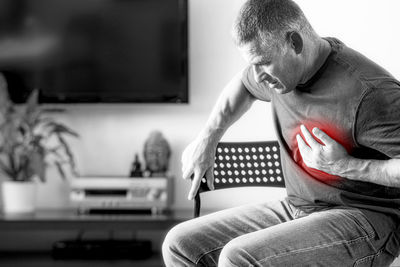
x: 337, y: 116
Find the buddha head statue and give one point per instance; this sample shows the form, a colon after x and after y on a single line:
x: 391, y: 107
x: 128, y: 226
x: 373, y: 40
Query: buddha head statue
x: 156, y: 153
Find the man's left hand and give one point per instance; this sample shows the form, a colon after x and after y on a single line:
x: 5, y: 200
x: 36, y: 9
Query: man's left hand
x: 327, y: 157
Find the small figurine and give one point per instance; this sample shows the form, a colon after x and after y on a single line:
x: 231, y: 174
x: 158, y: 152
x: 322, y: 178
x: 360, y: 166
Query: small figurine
x: 156, y: 154
x: 136, y: 170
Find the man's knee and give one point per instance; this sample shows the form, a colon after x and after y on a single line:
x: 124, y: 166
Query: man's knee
x: 234, y: 254
x: 173, y: 239
x: 178, y: 244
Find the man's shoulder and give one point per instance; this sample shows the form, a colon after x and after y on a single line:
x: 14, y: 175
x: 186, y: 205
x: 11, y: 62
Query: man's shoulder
x: 358, y: 65
x: 382, y: 95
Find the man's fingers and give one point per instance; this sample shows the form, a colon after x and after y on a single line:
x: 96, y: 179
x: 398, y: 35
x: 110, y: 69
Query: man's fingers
x: 326, y: 139
x: 195, y: 184
x: 186, y: 173
x: 308, y: 137
x: 210, y: 178
x: 303, y: 147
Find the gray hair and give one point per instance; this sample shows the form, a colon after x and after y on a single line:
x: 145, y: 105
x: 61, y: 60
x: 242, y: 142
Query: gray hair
x: 269, y: 21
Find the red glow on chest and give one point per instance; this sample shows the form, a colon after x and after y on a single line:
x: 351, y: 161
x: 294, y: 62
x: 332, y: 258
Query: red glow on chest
x: 334, y: 132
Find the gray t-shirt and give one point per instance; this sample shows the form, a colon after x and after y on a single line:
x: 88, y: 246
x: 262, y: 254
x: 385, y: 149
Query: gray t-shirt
x: 357, y: 103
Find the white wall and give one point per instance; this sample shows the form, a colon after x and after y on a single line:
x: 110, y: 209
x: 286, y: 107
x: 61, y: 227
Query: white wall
x: 111, y: 134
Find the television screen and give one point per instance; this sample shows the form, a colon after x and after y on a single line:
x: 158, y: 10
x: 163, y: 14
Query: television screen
x: 78, y: 51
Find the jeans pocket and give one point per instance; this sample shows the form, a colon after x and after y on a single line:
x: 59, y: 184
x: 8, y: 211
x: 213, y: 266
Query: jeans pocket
x: 380, y: 259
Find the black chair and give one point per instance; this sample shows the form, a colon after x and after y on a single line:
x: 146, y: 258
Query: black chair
x: 244, y: 164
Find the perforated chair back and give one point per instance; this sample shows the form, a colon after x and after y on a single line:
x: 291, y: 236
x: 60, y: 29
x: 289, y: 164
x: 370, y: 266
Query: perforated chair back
x: 244, y: 164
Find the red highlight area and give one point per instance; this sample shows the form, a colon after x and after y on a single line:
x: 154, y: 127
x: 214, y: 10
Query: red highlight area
x: 334, y: 132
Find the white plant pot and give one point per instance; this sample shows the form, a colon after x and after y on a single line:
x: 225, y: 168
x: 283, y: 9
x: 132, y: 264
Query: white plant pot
x: 19, y: 197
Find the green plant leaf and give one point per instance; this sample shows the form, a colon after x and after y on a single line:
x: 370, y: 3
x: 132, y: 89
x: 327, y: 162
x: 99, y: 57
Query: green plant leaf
x: 6, y: 169
x: 67, y: 150
x: 37, y: 165
x: 13, y: 166
x: 59, y: 128
x: 33, y: 101
x: 32, y: 111
x: 5, y: 101
x: 60, y: 170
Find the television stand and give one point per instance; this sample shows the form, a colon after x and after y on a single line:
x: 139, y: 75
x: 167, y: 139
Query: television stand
x: 60, y: 221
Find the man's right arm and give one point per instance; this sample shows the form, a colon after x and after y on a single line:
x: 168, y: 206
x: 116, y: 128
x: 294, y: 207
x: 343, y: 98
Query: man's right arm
x: 198, y: 157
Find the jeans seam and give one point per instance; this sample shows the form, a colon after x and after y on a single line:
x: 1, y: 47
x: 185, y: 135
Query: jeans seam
x: 315, y: 247
x: 371, y: 256
x: 365, y: 258
x: 205, y: 253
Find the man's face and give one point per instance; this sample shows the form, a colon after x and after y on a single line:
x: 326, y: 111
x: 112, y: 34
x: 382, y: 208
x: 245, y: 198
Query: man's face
x: 280, y: 69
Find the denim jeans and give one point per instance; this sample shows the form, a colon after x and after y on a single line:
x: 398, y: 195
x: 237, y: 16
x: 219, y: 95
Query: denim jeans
x: 276, y: 234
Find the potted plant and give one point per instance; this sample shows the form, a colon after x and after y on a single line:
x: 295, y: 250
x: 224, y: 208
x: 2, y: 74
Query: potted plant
x: 29, y: 142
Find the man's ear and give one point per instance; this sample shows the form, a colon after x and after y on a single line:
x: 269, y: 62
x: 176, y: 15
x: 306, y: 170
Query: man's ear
x: 295, y: 41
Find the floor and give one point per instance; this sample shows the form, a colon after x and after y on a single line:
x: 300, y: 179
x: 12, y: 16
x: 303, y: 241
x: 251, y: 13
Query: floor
x: 44, y: 260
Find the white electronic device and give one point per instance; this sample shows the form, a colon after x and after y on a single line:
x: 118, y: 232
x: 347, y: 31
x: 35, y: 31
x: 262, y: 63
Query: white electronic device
x: 121, y: 193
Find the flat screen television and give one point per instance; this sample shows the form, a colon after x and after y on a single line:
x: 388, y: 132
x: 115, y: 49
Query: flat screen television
x: 95, y: 51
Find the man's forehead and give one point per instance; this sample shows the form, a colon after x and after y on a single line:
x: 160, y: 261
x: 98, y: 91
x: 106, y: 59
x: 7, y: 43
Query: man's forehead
x: 252, y: 47
x: 254, y: 51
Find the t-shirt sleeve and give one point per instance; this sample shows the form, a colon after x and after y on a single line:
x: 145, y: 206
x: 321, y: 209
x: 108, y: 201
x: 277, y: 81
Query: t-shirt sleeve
x: 378, y: 120
x: 259, y: 90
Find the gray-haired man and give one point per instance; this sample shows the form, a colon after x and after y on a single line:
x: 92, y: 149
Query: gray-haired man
x: 337, y: 116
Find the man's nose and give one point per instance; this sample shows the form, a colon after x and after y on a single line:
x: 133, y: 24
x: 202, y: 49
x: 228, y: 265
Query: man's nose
x: 260, y: 74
